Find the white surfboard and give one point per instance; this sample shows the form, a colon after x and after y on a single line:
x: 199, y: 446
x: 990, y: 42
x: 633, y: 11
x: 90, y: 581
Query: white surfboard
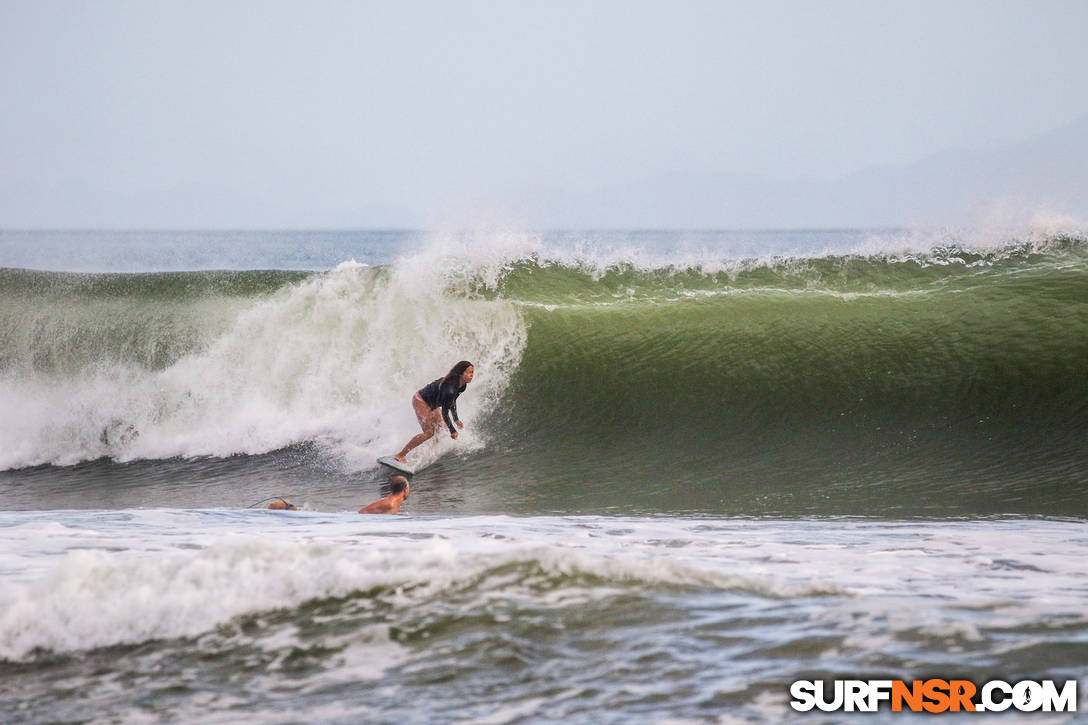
x: 390, y: 462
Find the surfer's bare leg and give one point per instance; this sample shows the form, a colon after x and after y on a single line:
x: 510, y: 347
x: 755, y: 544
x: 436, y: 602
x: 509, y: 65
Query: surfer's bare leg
x: 428, y: 420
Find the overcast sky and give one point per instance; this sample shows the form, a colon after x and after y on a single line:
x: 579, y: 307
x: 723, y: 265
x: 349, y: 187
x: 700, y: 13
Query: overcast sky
x: 264, y: 114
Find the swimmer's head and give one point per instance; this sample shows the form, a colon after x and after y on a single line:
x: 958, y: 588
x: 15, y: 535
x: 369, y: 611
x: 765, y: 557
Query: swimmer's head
x: 398, y: 484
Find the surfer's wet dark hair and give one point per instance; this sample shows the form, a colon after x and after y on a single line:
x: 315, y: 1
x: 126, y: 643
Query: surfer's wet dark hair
x: 457, y: 371
x: 398, y: 484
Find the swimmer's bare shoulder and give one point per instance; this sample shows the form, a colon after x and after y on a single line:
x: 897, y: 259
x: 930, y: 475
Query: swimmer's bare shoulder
x: 391, y: 503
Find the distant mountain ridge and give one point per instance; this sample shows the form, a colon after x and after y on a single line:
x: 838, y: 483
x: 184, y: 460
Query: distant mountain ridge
x: 1046, y: 171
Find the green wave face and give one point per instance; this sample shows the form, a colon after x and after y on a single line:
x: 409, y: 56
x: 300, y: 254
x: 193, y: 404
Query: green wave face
x: 826, y: 385
x: 60, y: 322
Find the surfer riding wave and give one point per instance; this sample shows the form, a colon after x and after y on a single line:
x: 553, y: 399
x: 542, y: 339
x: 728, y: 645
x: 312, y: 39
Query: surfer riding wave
x: 437, y: 401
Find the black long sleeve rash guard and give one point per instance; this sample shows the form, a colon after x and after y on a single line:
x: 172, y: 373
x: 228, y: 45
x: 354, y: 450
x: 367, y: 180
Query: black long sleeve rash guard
x: 436, y: 394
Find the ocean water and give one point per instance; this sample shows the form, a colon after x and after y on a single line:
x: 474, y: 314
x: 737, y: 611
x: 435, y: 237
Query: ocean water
x: 697, y: 467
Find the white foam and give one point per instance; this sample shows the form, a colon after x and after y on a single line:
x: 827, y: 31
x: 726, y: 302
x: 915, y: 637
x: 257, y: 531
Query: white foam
x: 103, y: 581
x: 335, y: 358
x: 94, y: 599
x: 129, y: 584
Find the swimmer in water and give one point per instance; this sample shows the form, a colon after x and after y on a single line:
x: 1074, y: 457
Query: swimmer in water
x: 391, y: 503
